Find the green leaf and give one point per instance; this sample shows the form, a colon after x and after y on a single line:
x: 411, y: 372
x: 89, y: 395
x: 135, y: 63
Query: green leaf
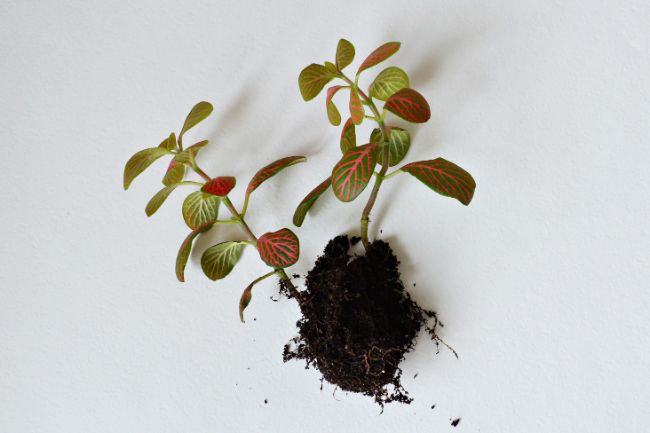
x: 188, y: 156
x: 348, y: 136
x: 399, y: 141
x: 332, y: 68
x: 409, y: 105
x: 169, y: 143
x: 218, y: 260
x: 185, y: 250
x: 200, y: 208
x: 389, y: 81
x: 353, y: 172
x: 307, y: 202
x: 332, y: 112
x: 356, y: 108
x: 312, y: 79
x: 344, y: 53
x: 198, y: 113
x: 379, y: 55
x: 140, y: 161
x: 175, y: 173
x: 158, y: 199
x: 279, y: 249
x: 444, y: 177
x: 271, y: 170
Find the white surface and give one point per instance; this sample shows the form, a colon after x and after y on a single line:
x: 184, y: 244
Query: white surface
x: 542, y: 282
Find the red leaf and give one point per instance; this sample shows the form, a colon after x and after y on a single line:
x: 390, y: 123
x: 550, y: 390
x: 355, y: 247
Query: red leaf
x: 356, y: 108
x: 353, y: 172
x: 271, y: 170
x: 444, y: 177
x: 409, y: 105
x: 330, y: 94
x: 279, y: 249
x: 379, y: 55
x: 219, y: 186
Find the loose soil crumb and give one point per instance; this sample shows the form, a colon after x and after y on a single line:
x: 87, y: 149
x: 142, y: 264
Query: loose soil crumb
x: 455, y: 422
x: 358, y: 321
x: 433, y: 406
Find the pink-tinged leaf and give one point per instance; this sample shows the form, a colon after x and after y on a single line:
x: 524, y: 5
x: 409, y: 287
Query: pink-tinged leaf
x: 356, y: 108
x: 312, y: 79
x: 245, y: 299
x: 279, y: 249
x: 348, y: 136
x: 307, y: 202
x: 185, y: 250
x: 444, y: 177
x: 174, y: 174
x: 219, y: 186
x: 379, y: 55
x: 332, y: 112
x: 344, y: 53
x: 353, y: 172
x: 409, y: 105
x: 271, y: 170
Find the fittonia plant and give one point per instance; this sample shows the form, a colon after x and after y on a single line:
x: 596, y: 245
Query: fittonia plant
x: 387, y: 145
x: 278, y: 249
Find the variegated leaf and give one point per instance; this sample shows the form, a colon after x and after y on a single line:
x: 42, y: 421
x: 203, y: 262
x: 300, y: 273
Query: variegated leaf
x: 140, y: 161
x: 218, y: 260
x: 332, y: 112
x: 169, y: 143
x: 389, y: 81
x: 219, y: 186
x: 399, y: 141
x: 379, y: 55
x: 308, y: 201
x: 344, y: 53
x: 200, y: 208
x: 356, y: 108
x: 279, y: 249
x: 188, y: 156
x: 348, y: 136
x: 444, y: 177
x: 409, y: 105
x: 353, y: 172
x: 271, y: 170
x: 175, y: 173
x: 312, y: 79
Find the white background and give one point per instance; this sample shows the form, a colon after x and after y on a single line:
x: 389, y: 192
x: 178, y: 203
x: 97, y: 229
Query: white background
x: 542, y: 282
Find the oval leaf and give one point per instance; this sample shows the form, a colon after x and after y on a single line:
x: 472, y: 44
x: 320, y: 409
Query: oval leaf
x: 140, y: 161
x: 353, y: 172
x: 312, y: 79
x: 185, y: 250
x: 409, y: 105
x: 332, y: 112
x: 279, y: 249
x: 158, y: 199
x: 356, y: 108
x: 399, y: 141
x: 379, y: 55
x: 197, y: 114
x: 444, y: 177
x: 389, y: 81
x: 344, y: 53
x: 307, y: 202
x: 348, y: 136
x: 219, y: 186
x: 218, y: 260
x: 169, y: 143
x: 331, y: 67
x: 175, y: 173
x: 200, y: 208
x: 271, y: 170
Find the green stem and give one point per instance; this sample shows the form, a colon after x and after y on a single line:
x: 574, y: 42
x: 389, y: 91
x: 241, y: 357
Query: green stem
x: 365, y: 215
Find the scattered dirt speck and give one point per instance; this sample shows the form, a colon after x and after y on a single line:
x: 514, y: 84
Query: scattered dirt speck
x: 455, y: 422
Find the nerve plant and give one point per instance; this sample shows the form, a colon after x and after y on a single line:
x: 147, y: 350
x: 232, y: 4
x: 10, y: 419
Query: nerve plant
x: 387, y: 145
x: 278, y: 249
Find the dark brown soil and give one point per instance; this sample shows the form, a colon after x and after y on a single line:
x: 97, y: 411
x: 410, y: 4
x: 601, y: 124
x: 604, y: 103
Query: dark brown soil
x: 358, y: 321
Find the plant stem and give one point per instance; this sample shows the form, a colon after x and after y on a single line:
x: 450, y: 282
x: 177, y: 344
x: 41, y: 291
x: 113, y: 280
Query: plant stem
x: 365, y: 215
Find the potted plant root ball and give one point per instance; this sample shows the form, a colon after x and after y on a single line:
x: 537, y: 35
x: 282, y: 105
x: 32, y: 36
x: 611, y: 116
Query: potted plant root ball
x: 358, y: 320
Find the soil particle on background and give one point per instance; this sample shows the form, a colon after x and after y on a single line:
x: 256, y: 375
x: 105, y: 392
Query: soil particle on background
x: 266, y: 401
x: 455, y: 422
x: 433, y: 406
x: 358, y: 321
